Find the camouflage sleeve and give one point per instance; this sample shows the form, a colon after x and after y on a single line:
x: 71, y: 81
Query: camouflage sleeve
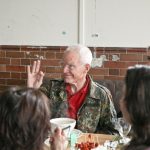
x: 108, y: 114
x: 46, y: 87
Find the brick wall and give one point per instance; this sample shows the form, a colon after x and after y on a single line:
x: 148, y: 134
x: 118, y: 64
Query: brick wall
x: 14, y: 59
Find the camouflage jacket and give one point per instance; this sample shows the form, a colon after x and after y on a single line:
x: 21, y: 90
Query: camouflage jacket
x: 95, y: 114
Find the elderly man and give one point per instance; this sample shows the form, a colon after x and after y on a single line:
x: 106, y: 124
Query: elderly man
x: 77, y: 95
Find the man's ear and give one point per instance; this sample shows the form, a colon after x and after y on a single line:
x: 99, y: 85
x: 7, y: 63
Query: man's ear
x: 87, y: 66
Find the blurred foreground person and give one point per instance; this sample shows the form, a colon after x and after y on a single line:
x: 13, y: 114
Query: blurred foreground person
x: 76, y: 95
x: 24, y: 120
x: 136, y: 106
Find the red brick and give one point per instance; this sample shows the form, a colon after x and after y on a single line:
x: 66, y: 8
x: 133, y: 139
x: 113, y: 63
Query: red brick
x: 128, y: 64
x: 97, y: 49
x: 113, y: 78
x: 50, y: 55
x: 51, y: 62
x: 54, y: 70
x: 2, y: 54
x: 43, y: 68
x: 115, y: 50
x: 2, y: 68
x: 3, y: 87
x: 96, y: 78
x: 25, y: 61
x: 148, y: 52
x: 123, y: 72
x: 15, y: 68
x: 116, y: 64
x: 54, y: 48
x: 144, y: 63
x: 98, y: 71
x: 59, y: 55
x: 4, y: 74
x: 114, y: 72
x: 15, y: 82
x: 14, y: 61
x: 15, y: 75
x: 15, y: 54
x: 10, y: 48
x: 63, y: 48
x: 24, y: 75
x: 4, y: 61
x: 136, y: 50
x: 2, y: 81
x: 130, y: 57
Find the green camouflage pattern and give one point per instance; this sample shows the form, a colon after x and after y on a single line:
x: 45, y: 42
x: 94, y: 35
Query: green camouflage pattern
x: 97, y: 112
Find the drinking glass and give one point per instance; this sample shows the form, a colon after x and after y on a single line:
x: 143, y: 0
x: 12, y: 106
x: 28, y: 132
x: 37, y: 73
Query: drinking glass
x: 124, y: 128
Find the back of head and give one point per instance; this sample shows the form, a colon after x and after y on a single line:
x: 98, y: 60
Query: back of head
x: 24, y: 119
x: 137, y: 100
x: 137, y: 92
x: 83, y: 51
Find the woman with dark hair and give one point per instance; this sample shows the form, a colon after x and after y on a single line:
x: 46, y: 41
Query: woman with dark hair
x: 24, y: 120
x: 136, y: 106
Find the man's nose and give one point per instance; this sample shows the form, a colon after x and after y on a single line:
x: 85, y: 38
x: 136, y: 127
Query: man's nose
x: 65, y: 69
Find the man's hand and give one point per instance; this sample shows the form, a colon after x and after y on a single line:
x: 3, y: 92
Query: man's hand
x: 59, y: 140
x: 35, y: 76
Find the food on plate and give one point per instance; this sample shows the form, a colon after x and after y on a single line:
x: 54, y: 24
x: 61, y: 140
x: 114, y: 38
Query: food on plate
x: 88, y: 145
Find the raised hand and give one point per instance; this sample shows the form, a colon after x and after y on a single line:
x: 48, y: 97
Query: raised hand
x: 35, y: 76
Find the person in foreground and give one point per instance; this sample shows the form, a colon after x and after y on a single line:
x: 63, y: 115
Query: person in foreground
x: 24, y: 120
x: 136, y: 106
x: 77, y: 95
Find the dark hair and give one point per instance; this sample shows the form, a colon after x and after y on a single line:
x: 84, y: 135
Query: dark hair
x: 24, y: 119
x: 137, y: 100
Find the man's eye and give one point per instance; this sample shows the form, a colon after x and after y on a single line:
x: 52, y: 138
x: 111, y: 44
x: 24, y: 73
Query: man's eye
x: 71, y: 66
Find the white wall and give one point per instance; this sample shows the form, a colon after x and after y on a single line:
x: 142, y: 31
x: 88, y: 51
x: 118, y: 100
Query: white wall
x: 38, y: 22
x: 123, y: 23
x: 116, y: 23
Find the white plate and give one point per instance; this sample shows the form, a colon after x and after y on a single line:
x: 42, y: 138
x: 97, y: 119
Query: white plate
x: 77, y: 132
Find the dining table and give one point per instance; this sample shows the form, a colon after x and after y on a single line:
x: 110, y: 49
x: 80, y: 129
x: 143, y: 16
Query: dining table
x: 95, y: 138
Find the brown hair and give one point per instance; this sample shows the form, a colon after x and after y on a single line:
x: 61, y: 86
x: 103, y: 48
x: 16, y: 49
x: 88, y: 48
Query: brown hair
x: 137, y: 100
x: 24, y: 119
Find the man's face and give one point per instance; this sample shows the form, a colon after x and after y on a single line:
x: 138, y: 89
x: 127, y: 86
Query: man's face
x: 73, y: 70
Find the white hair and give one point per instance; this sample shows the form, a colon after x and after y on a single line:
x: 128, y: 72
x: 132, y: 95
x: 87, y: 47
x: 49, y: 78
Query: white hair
x: 84, y: 53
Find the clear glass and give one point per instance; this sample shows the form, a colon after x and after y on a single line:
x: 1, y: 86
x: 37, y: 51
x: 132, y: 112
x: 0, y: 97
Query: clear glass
x: 124, y: 128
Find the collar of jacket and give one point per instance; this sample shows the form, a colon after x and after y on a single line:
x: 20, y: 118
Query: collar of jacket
x: 94, y: 91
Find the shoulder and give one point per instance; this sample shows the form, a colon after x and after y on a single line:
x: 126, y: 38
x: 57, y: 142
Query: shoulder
x: 99, y: 91
x: 57, y: 81
x: 48, y: 81
x: 50, y: 84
